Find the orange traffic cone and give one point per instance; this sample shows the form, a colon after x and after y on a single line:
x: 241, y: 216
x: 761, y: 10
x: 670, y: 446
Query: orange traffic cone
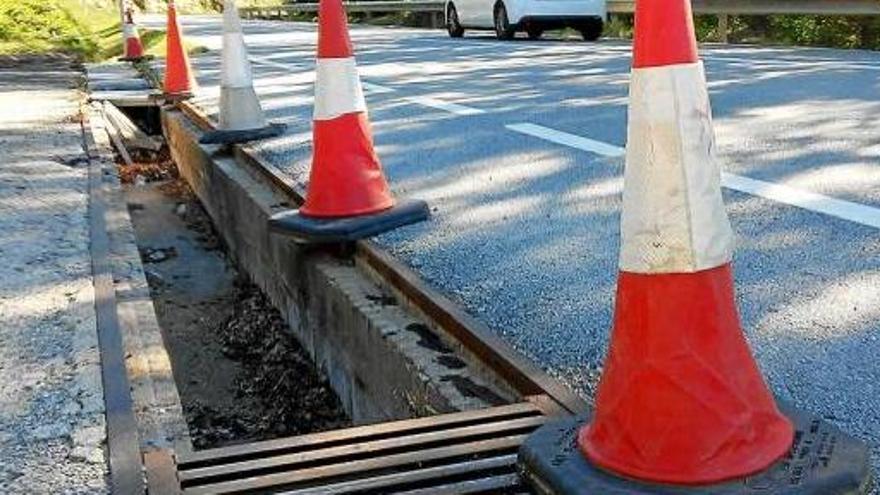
x: 179, y: 80
x: 348, y: 197
x: 133, y: 48
x: 346, y: 176
x: 681, y: 400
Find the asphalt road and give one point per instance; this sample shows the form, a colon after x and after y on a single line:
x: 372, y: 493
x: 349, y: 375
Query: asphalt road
x: 517, y: 147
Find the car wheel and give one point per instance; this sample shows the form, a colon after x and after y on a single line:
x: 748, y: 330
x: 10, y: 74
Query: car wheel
x: 503, y: 29
x: 453, y: 25
x: 534, y: 33
x: 592, y: 29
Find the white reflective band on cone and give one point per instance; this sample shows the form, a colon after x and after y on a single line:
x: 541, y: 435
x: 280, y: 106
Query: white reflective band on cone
x: 236, y: 68
x: 337, y: 88
x: 128, y: 31
x: 673, y: 214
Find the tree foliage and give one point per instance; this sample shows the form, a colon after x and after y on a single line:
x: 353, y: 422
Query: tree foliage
x: 802, y: 30
x: 40, y: 23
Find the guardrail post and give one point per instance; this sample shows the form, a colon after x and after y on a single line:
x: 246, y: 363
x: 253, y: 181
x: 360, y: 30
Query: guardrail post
x: 723, y: 27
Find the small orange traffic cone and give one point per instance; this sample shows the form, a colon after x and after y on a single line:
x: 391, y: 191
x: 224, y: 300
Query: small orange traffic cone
x: 348, y: 197
x: 346, y: 176
x: 133, y: 48
x: 179, y: 80
x: 681, y: 400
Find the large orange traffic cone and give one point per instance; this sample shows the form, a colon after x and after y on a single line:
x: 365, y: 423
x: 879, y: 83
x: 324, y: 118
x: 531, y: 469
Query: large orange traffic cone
x: 133, y: 49
x: 241, y: 115
x: 179, y: 79
x: 681, y: 400
x: 348, y: 197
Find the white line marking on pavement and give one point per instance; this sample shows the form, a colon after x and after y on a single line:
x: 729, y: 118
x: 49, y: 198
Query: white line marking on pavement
x: 847, y: 210
x: 272, y: 63
x: 567, y: 139
x: 819, y: 203
x: 375, y: 88
x: 454, y: 108
x: 427, y: 101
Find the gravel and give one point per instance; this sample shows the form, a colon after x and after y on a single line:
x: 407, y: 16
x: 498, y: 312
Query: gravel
x: 51, y: 400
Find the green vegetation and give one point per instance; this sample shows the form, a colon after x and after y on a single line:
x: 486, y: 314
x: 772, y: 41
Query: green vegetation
x: 28, y: 26
x: 802, y: 30
x: 89, y: 30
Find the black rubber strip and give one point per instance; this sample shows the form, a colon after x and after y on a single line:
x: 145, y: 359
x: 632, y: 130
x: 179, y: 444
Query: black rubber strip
x: 126, y: 465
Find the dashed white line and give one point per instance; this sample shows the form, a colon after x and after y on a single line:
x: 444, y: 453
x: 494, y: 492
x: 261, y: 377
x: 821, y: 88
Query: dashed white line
x: 807, y: 200
x: 272, y: 63
x: 426, y: 101
x: 453, y: 108
x: 847, y: 210
x: 376, y: 88
x: 566, y: 139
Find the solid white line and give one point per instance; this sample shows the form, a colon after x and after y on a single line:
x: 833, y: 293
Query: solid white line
x: 847, y: 210
x: 567, y: 139
x: 454, y: 108
x: 819, y: 203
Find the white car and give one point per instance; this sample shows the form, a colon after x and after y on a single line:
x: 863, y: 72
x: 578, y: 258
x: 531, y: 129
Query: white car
x: 507, y: 17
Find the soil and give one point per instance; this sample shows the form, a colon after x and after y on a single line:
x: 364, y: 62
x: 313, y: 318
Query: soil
x: 241, y: 374
x: 149, y: 167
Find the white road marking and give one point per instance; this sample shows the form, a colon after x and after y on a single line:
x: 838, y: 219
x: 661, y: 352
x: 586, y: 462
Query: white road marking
x: 426, y: 101
x: 807, y: 200
x: 272, y: 63
x: 847, y: 210
x: 570, y: 140
x: 453, y: 108
x: 376, y: 88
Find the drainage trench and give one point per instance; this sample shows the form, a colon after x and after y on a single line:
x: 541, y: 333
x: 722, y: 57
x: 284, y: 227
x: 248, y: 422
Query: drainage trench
x: 240, y: 373
x: 367, y: 379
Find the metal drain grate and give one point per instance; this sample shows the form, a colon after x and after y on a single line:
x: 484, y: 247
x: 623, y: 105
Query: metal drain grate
x: 471, y: 452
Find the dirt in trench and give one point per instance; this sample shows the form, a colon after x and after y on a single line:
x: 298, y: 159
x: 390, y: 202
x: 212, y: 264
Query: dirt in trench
x: 241, y: 374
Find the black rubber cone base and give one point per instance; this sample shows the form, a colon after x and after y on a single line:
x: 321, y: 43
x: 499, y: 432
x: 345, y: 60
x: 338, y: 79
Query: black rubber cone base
x: 174, y: 98
x: 136, y: 59
x: 244, y: 136
x: 311, y: 230
x: 823, y: 461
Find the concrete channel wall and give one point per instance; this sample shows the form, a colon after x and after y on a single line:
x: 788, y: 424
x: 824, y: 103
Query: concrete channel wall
x: 384, y: 362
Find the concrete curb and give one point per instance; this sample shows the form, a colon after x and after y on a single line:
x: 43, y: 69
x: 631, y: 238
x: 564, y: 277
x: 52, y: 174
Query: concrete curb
x: 157, y: 407
x: 382, y: 361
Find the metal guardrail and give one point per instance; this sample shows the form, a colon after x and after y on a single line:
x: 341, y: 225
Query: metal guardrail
x: 284, y: 11
x: 733, y: 7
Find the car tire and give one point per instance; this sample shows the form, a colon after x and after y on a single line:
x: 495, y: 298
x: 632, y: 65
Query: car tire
x: 503, y: 29
x: 453, y: 25
x: 592, y: 29
x: 534, y: 33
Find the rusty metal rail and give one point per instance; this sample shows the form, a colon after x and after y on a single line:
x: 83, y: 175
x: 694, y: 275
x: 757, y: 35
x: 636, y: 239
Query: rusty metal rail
x: 467, y: 452
x: 526, y: 377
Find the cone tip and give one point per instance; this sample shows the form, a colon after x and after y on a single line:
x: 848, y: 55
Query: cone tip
x: 664, y: 33
x: 333, y: 37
